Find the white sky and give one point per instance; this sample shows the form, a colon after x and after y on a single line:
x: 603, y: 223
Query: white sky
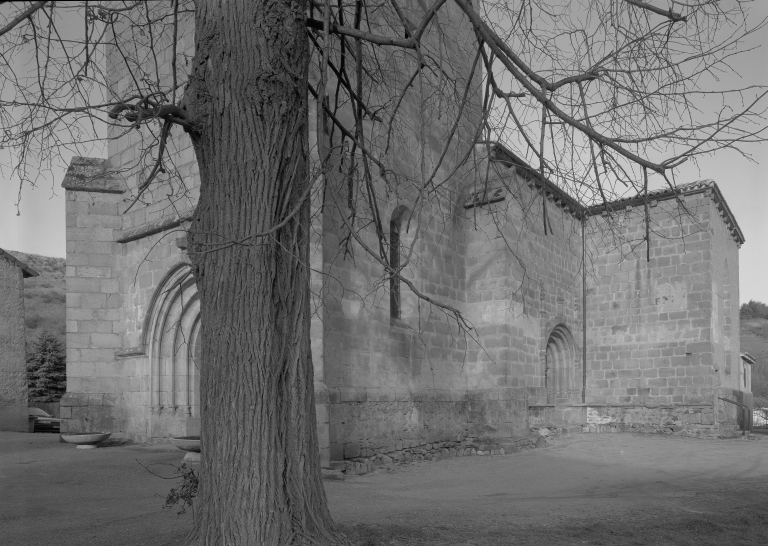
x: 40, y: 226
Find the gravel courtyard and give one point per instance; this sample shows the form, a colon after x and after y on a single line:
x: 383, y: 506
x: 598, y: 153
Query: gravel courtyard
x: 582, y: 489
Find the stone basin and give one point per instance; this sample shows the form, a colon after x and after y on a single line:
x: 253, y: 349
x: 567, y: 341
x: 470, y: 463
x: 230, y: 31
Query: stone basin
x: 190, y: 444
x: 86, y: 440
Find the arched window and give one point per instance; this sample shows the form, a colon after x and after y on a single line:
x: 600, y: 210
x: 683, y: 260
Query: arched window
x: 394, y: 263
x: 400, y: 215
x: 559, y: 366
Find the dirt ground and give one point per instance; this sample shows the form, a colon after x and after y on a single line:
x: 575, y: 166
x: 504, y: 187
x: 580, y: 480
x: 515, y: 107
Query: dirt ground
x: 582, y: 489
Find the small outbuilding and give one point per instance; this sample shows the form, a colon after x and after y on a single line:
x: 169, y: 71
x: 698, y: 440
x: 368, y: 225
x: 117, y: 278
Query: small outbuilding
x: 13, y: 367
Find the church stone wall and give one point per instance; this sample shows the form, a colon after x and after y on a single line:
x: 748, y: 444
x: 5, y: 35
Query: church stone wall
x: 396, y: 381
x: 155, y: 407
x: 94, y: 316
x: 408, y: 385
x: 729, y: 371
x: 417, y: 384
x: 116, y: 260
x: 114, y: 266
x: 657, y: 329
x: 522, y: 283
x: 390, y: 379
x: 150, y: 244
x: 399, y: 381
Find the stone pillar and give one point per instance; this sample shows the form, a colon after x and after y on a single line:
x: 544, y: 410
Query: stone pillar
x: 94, y: 325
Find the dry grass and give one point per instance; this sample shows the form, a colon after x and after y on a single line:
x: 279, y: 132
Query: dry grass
x: 44, y: 296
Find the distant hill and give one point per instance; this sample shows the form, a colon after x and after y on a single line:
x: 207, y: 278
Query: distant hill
x: 754, y: 340
x: 44, y: 296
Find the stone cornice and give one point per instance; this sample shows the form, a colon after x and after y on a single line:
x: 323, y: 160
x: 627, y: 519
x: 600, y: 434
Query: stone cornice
x: 500, y: 154
x: 139, y: 232
x: 707, y: 187
x: 92, y: 175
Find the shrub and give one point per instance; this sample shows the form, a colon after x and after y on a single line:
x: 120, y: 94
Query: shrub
x: 186, y: 492
x: 753, y: 309
x: 46, y: 369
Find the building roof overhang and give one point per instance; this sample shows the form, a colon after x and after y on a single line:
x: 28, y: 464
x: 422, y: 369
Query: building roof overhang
x: 708, y: 187
x: 748, y: 358
x: 499, y: 153
x: 26, y: 270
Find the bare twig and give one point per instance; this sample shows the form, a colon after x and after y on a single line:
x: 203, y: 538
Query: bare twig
x: 26, y: 14
x: 674, y: 17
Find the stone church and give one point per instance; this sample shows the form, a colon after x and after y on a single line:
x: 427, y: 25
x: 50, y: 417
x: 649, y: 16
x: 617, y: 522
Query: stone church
x: 574, y: 319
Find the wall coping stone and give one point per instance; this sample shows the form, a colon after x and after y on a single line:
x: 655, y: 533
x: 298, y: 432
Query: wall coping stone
x: 28, y: 272
x: 92, y: 174
x: 500, y: 154
x: 708, y: 187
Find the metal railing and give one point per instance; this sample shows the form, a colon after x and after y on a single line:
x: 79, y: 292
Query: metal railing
x: 746, y: 422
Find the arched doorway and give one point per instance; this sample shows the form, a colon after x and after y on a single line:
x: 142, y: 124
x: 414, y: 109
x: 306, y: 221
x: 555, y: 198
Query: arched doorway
x: 559, y: 366
x: 172, y: 341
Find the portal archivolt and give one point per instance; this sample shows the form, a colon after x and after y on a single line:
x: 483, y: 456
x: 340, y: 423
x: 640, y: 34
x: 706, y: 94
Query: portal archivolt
x: 171, y: 339
x: 559, y: 366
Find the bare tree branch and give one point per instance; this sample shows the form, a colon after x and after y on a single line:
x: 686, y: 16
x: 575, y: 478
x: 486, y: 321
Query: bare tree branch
x: 674, y: 17
x: 27, y: 13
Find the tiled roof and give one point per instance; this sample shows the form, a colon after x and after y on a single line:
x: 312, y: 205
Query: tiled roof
x: 663, y: 194
x: 26, y: 270
x: 502, y: 154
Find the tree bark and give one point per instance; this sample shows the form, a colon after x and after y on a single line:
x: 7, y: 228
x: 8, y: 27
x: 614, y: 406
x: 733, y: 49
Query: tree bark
x: 260, y: 475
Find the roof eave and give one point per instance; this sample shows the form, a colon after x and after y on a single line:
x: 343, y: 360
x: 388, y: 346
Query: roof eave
x: 27, y: 271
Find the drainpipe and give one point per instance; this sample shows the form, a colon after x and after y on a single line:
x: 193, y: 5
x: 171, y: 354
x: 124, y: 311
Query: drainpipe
x: 583, y: 310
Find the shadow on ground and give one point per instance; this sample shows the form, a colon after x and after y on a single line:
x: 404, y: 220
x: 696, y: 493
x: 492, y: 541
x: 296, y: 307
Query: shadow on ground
x: 586, y: 489
x: 736, y: 527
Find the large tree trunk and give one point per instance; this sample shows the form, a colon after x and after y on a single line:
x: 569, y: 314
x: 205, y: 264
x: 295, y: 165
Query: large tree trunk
x: 260, y: 476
